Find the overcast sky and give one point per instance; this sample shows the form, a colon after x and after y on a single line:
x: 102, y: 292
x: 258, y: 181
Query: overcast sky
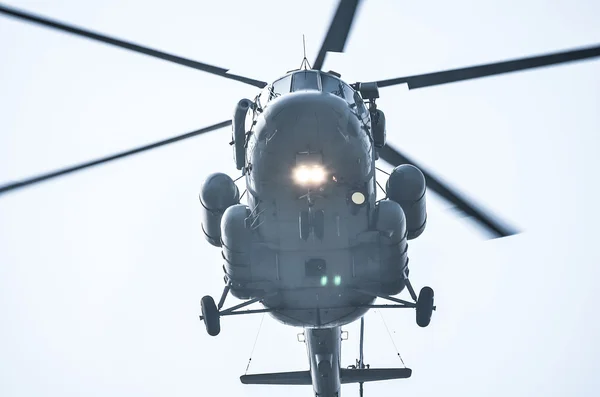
x: 101, y: 273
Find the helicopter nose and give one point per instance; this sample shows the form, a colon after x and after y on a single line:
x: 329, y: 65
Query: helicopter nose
x: 310, y: 122
x: 309, y: 119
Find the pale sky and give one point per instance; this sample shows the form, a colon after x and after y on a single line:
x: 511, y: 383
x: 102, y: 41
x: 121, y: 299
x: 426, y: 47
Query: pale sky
x: 101, y: 273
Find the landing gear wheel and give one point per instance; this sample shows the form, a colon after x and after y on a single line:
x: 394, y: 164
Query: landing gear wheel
x: 424, y: 307
x: 210, y: 313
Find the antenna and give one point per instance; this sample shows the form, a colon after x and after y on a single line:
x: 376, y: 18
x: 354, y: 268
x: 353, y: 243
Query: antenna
x: 304, y: 45
x: 304, y: 63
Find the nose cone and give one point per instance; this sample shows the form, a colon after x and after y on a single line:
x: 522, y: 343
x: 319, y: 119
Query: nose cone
x: 312, y: 122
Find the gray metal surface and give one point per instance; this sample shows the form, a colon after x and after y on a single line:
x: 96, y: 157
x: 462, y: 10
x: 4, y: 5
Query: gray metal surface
x: 324, y: 348
x: 329, y: 129
x: 218, y: 193
x: 406, y: 186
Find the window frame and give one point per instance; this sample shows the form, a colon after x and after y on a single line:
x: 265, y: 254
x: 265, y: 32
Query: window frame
x: 273, y: 94
x: 338, y: 80
x: 319, y: 85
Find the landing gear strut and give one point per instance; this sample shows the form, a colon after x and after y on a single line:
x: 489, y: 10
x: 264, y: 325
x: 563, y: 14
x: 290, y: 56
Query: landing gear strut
x: 424, y: 303
x: 212, y: 313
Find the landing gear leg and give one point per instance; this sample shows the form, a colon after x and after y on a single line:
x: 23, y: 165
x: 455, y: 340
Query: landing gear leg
x: 424, y: 303
x: 224, y: 295
x: 411, y: 290
x: 212, y: 313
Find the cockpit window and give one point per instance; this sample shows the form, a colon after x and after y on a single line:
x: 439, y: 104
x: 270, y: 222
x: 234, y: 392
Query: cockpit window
x: 313, y: 80
x: 349, y: 95
x: 332, y: 85
x: 360, y: 105
x: 263, y: 98
x: 305, y: 80
x: 281, y: 86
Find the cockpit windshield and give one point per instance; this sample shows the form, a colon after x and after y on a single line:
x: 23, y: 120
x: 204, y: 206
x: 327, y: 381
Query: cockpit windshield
x: 305, y: 80
x: 332, y: 85
x: 313, y: 80
x: 281, y: 86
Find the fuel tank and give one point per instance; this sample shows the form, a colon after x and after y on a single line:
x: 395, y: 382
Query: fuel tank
x: 406, y: 186
x: 238, y: 251
x: 218, y: 193
x: 390, y: 222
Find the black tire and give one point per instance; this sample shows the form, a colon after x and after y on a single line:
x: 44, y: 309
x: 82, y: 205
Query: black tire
x: 304, y: 225
x: 210, y: 313
x: 319, y: 224
x: 424, y: 307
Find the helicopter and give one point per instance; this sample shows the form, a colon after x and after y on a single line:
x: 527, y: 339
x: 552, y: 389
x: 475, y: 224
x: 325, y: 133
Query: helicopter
x: 313, y: 244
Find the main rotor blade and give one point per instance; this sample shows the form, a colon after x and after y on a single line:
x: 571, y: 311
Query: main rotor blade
x: 498, y: 229
x: 491, y: 69
x: 338, y: 32
x: 40, y: 20
x: 64, y: 171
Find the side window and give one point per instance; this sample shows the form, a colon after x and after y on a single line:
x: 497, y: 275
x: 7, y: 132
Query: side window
x: 349, y: 95
x: 280, y: 87
x: 332, y: 85
x: 360, y: 105
x: 263, y: 97
x: 305, y: 81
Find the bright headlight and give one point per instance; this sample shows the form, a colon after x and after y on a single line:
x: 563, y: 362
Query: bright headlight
x: 309, y: 175
x: 302, y: 175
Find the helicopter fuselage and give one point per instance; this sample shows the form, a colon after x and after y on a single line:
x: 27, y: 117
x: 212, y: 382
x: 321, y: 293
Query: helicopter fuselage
x: 312, y: 238
x: 312, y: 242
x: 313, y: 227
